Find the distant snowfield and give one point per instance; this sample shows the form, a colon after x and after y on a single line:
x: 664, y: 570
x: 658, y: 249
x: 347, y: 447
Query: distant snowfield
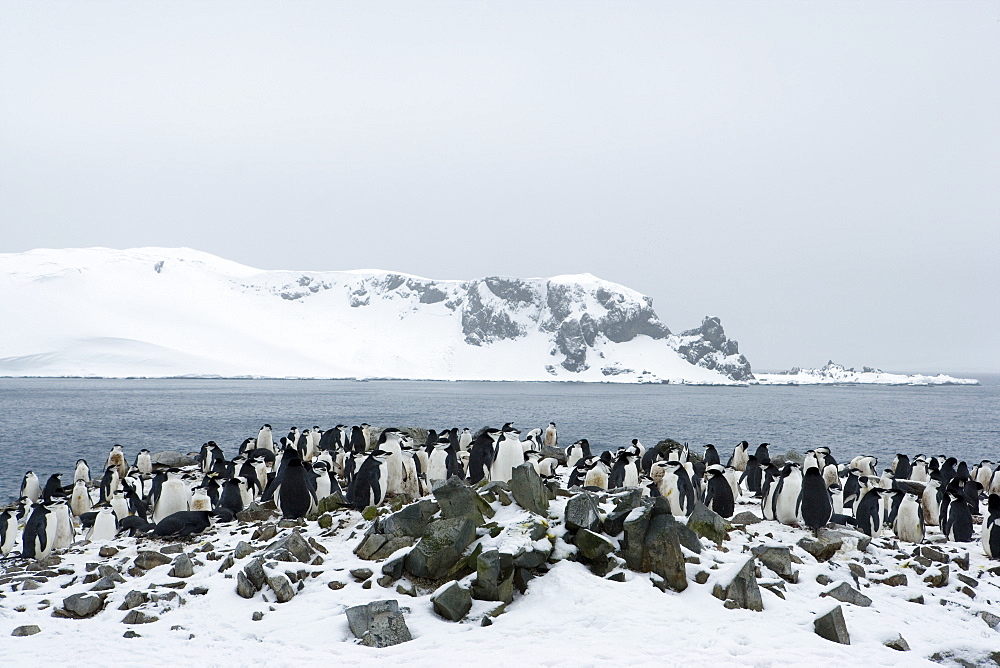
x: 159, y: 312
x: 834, y: 374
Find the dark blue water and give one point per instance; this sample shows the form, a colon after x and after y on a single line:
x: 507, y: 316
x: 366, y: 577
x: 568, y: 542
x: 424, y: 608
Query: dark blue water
x: 47, y: 424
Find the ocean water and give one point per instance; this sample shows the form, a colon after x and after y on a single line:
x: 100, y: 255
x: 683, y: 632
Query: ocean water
x: 47, y: 424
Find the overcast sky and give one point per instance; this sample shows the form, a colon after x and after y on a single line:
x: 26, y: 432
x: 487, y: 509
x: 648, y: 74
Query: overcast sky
x: 825, y: 177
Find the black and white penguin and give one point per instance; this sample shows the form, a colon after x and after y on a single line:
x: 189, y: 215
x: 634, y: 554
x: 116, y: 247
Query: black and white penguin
x: 39, y: 535
x: 8, y: 532
x: 865, y: 464
x: 119, y: 504
x: 30, y: 487
x: 740, y: 456
x: 172, y: 498
x: 868, y: 512
x: 901, y: 467
x: 577, y: 451
x: 53, y: 488
x: 296, y: 496
x: 959, y: 525
x: 763, y: 455
x: 82, y: 471
x: 144, y: 462
x: 105, y: 525
x: 413, y: 482
x: 768, y: 486
x: 711, y: 455
x: 390, y: 440
x: 368, y: 487
x: 675, y: 486
x: 626, y: 470
x: 718, y: 491
x: 752, y: 477
x: 509, y: 454
x: 551, y: 437
x: 330, y: 440
x: 232, y: 495
x: 116, y: 458
x: 786, y: 494
x: 358, y: 444
x: 109, y: 484
x: 578, y: 473
x: 598, y: 471
x: 265, y: 439
x: 183, y: 523
x: 441, y: 462
x: 971, y: 489
x: 80, y: 502
x: 814, y: 504
x: 991, y: 528
x: 908, y: 521
x: 919, y: 471
x: 65, y: 533
x: 481, y: 457
x: 465, y: 440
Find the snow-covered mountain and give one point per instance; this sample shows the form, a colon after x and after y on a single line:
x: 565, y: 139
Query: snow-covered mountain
x: 169, y: 312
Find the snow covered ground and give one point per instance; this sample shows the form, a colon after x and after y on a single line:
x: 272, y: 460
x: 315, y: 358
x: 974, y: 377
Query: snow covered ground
x: 567, y: 617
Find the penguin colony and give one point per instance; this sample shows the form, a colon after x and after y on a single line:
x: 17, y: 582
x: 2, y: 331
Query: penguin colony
x: 299, y: 470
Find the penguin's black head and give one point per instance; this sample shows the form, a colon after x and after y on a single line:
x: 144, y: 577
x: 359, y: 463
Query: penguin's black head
x: 812, y: 471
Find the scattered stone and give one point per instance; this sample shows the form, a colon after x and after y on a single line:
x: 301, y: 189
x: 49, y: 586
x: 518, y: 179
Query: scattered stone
x: 894, y: 580
x: 257, y: 616
x: 139, y: 617
x: 406, y: 591
x: 133, y: 599
x: 244, y: 587
x: 440, y: 548
x: 919, y: 600
x: 965, y: 579
x: 899, y: 644
x: 701, y: 577
x: 282, y: 587
x: 378, y: 624
x: 933, y: 554
x: 361, y: 574
x: 27, y: 630
x: 82, y: 606
x: 740, y: 588
x: 614, y: 523
x: 384, y: 581
x: 993, y: 621
x: 452, y: 601
x: 824, y: 579
x: 30, y: 585
x: 316, y: 545
x: 744, y: 518
x: 265, y: 533
x: 961, y: 561
x: 292, y: 547
x: 592, y: 546
x: 779, y: 559
x: 938, y: 577
x: 494, y: 577
x: 707, y: 523
x: 183, y: 567
x: 198, y: 591
x: 227, y: 563
x: 582, y: 512
x: 334, y: 585
x: 104, y: 584
x: 243, y: 549
x: 131, y: 634
x: 822, y: 548
x: 845, y: 593
x: 832, y: 626
x: 528, y: 489
x: 176, y: 548
x: 108, y: 551
x: 148, y: 559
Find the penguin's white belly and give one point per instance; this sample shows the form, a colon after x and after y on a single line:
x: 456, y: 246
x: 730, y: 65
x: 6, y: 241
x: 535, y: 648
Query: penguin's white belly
x: 784, y: 510
x: 173, y: 499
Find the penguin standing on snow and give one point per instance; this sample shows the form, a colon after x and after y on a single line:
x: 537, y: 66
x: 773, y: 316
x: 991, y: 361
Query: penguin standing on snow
x: 296, y: 496
x: 8, y: 532
x: 481, y: 457
x: 80, y: 502
x: 740, y: 456
x: 786, y: 495
x: 465, y: 440
x: 368, y: 487
x: 39, y: 535
x: 751, y: 478
x: 991, y: 528
x: 144, y: 462
x: 908, y: 520
x: 718, y: 492
x: 441, y: 462
x: 30, y: 487
x: 173, y: 496
x: 814, y: 504
x: 109, y: 484
x: 959, y: 522
x: 625, y: 472
x: 509, y: 454
x: 105, y: 525
x: 53, y: 488
x: 675, y: 485
x: 599, y: 470
x: 577, y: 451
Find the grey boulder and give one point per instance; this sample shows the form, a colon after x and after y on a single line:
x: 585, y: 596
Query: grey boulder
x: 452, y: 602
x: 82, y: 606
x: 832, y: 626
x: 740, y: 590
x: 378, y: 624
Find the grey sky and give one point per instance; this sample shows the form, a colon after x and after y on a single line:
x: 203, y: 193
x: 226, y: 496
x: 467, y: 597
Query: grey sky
x: 825, y: 177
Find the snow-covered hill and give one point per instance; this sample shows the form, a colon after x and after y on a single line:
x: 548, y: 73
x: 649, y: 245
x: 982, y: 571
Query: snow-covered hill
x: 170, y: 312
x: 836, y: 374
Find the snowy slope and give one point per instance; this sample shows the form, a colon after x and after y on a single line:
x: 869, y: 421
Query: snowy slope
x: 169, y: 312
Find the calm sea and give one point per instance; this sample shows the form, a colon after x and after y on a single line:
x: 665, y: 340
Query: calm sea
x: 47, y: 424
